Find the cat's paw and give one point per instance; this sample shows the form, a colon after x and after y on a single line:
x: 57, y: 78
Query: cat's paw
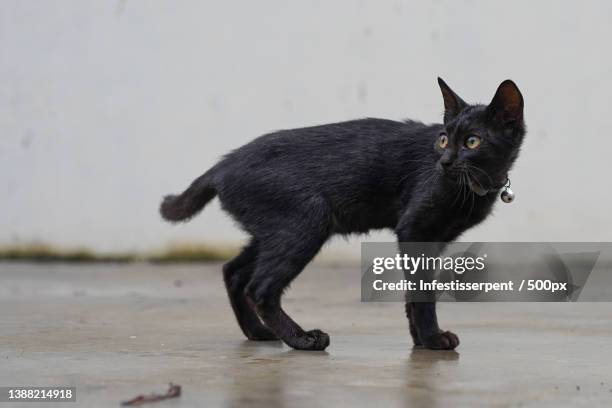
x: 310, y: 340
x: 442, y: 341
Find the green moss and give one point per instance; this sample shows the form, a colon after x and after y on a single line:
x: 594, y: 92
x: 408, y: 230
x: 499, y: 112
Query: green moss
x: 174, y: 253
x: 194, y: 253
x: 47, y: 253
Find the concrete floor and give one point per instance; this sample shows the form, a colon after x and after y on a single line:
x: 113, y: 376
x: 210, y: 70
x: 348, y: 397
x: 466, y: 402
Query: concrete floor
x: 115, y: 331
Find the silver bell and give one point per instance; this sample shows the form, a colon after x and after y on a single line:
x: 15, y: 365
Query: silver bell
x: 507, y: 195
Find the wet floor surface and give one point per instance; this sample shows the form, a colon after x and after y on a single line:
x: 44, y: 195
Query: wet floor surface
x: 116, y: 331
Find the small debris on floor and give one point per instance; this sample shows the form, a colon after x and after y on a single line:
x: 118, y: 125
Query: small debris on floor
x: 174, y: 391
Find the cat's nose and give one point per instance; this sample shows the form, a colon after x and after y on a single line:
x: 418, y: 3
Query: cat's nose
x: 446, y: 164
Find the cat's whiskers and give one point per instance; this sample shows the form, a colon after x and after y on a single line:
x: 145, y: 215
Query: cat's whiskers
x: 472, y: 167
x: 420, y: 161
x: 432, y: 180
x: 456, y: 195
x: 460, y: 192
x: 472, y: 195
x: 466, y: 187
x: 418, y: 173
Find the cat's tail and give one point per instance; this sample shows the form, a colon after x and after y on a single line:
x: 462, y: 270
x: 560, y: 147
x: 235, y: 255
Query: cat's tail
x: 175, y: 208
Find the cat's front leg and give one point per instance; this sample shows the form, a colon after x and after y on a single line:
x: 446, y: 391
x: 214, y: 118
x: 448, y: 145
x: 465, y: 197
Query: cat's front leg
x: 422, y: 317
x: 424, y: 327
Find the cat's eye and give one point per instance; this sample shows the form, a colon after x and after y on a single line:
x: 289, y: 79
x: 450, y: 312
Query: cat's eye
x: 443, y: 141
x: 472, y: 142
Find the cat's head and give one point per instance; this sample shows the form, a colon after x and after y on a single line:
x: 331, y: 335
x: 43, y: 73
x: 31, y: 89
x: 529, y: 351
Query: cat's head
x: 479, y: 143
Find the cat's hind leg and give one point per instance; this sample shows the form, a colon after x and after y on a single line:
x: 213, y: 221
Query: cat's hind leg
x: 280, y: 259
x: 236, y: 274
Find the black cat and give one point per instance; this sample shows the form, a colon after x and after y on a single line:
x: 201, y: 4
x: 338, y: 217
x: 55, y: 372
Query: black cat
x: 293, y: 189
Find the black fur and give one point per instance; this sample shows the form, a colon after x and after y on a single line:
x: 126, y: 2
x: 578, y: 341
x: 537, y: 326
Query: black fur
x: 293, y: 189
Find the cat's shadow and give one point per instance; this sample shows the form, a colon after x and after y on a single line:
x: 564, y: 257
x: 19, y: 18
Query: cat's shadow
x: 248, y: 346
x: 420, y: 354
x: 263, y: 373
x: 423, y: 372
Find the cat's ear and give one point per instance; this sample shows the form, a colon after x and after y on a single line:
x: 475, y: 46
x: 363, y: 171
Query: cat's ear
x: 453, y: 104
x: 506, y: 108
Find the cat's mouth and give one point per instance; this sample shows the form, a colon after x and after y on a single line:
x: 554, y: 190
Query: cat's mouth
x: 481, y: 187
x: 477, y: 188
x: 468, y: 176
x: 465, y: 179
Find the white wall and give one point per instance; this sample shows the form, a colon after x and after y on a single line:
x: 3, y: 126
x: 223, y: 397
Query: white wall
x: 105, y: 107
